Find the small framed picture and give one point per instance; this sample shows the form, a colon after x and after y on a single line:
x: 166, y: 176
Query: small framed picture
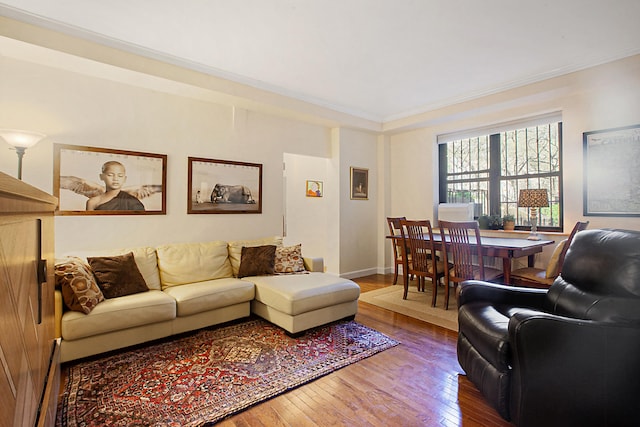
x: 314, y: 189
x: 102, y: 181
x: 359, y: 184
x: 224, y: 187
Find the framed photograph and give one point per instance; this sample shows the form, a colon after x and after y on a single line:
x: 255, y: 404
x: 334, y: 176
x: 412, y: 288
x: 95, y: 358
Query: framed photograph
x: 224, y: 187
x: 102, y: 181
x: 314, y: 189
x: 359, y: 184
x: 612, y: 172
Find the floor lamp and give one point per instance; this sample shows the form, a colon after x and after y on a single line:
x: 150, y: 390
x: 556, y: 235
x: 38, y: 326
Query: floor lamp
x: 533, y: 199
x: 20, y: 140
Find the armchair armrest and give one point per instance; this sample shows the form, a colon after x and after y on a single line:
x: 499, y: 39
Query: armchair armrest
x: 565, y: 368
x: 313, y: 264
x: 477, y: 290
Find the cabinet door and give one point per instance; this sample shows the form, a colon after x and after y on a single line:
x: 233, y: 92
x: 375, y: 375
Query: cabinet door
x: 22, y: 354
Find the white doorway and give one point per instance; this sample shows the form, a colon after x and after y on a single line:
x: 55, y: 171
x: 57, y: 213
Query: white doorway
x: 306, y: 219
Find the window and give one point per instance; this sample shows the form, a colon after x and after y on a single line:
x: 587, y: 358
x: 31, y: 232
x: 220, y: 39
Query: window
x: 491, y: 169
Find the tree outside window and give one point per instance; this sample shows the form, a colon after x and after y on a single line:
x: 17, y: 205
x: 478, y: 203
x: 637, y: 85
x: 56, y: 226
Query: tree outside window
x: 490, y: 170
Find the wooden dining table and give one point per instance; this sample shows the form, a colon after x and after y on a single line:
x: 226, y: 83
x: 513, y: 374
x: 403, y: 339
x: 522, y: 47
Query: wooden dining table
x: 506, y: 248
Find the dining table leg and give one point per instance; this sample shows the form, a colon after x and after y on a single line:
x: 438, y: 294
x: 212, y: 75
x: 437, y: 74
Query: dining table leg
x: 405, y: 275
x: 506, y: 270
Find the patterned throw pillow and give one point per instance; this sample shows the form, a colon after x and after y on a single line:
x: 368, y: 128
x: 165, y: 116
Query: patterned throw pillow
x: 118, y: 276
x: 289, y: 259
x: 257, y: 260
x: 80, y: 292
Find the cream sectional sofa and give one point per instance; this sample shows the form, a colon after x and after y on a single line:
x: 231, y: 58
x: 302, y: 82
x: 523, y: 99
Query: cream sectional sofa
x: 194, y: 285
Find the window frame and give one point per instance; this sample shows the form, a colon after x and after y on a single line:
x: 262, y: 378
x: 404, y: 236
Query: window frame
x: 495, y: 178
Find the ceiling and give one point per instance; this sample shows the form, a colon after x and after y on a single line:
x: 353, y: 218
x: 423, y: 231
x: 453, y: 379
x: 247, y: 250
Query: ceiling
x: 380, y: 60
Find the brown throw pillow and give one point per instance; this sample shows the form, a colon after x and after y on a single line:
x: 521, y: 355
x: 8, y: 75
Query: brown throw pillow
x: 80, y: 292
x: 118, y: 276
x: 289, y: 259
x: 257, y: 260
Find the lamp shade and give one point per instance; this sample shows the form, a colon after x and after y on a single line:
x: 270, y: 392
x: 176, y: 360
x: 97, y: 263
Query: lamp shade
x: 21, y: 138
x: 533, y: 198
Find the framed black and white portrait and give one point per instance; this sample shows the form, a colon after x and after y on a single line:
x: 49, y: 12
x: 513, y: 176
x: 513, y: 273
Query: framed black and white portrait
x: 224, y: 187
x: 103, y: 181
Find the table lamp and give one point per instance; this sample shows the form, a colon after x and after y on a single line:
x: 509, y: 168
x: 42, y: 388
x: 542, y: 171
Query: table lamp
x: 20, y: 140
x: 533, y: 199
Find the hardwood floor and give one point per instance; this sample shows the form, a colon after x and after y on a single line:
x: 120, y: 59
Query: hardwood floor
x: 418, y: 383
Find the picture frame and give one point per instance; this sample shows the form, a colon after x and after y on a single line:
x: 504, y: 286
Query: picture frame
x: 224, y: 187
x: 612, y: 172
x: 81, y: 175
x: 314, y: 188
x: 359, y: 183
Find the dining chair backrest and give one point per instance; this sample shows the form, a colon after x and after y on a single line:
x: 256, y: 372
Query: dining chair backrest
x: 395, y: 229
x: 398, y: 246
x: 465, y: 242
x: 418, y: 236
x: 576, y: 228
x: 424, y: 263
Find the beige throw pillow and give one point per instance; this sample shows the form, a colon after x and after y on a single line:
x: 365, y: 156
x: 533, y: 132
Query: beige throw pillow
x: 554, y: 261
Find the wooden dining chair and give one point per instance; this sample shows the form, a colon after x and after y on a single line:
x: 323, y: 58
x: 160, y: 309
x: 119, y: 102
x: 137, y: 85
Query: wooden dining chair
x: 395, y: 229
x: 425, y: 263
x: 544, y: 277
x: 463, y: 242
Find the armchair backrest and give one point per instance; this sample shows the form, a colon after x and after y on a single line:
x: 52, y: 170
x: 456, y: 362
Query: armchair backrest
x: 580, y: 226
x: 600, y: 277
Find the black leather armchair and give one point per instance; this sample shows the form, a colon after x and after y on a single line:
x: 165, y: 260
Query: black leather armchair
x: 567, y: 356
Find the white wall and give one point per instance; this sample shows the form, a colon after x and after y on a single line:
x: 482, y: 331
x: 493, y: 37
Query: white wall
x: 308, y: 218
x: 603, y: 97
x: 82, y: 110
x: 359, y: 219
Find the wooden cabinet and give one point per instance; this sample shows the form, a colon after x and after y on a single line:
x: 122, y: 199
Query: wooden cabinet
x: 29, y: 366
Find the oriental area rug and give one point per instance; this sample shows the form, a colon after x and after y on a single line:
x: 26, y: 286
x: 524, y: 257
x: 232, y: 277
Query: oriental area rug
x: 201, y: 378
x: 417, y: 304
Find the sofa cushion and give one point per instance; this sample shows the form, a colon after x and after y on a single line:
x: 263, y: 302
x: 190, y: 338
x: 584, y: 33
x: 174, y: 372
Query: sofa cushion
x: 118, y: 275
x: 300, y: 293
x: 235, y: 249
x: 181, y: 263
x: 145, y: 257
x: 289, y: 260
x: 119, y: 313
x: 80, y: 291
x: 257, y: 260
x: 211, y: 294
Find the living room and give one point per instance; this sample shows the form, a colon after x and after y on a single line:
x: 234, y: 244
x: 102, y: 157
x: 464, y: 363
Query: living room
x: 95, y: 103
x: 83, y: 93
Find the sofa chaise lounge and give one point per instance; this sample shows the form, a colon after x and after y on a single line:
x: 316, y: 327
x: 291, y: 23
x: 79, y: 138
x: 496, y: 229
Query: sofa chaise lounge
x: 188, y: 286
